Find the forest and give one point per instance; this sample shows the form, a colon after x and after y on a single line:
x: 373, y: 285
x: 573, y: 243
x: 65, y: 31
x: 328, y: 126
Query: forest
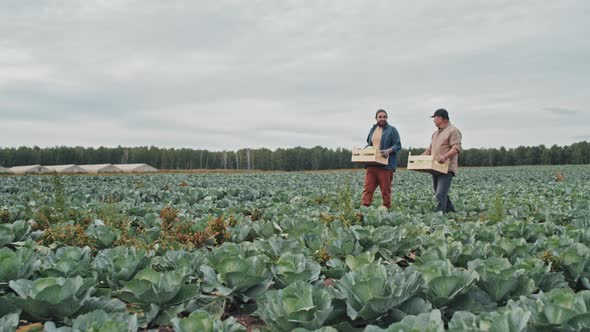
x: 282, y: 159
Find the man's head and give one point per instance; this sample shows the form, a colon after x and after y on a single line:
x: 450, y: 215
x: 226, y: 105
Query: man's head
x: 381, y: 117
x: 440, y: 117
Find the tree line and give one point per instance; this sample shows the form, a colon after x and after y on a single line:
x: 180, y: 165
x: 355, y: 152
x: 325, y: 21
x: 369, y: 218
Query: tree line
x: 284, y: 159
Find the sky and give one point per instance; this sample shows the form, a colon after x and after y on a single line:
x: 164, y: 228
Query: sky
x: 227, y: 75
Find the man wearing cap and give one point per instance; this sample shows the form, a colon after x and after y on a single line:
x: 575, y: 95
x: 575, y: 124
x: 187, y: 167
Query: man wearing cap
x: 445, y: 146
x: 385, y: 138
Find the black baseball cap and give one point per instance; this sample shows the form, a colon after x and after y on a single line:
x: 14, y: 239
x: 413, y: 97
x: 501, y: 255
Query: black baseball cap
x: 442, y: 113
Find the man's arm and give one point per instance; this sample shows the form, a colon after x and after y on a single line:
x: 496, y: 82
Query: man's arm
x: 396, y: 146
x: 397, y: 142
x: 455, y: 141
x: 442, y: 159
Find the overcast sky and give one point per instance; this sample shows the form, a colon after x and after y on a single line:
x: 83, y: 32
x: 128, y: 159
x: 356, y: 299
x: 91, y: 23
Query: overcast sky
x: 237, y: 74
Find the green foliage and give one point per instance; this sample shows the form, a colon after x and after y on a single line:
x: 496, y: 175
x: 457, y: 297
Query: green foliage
x: 500, y: 280
x: 374, y: 289
x: 234, y: 276
x: 9, y: 323
x: 444, y: 282
x: 67, y: 262
x: 293, y: 267
x: 559, y: 308
x: 205, y: 322
x: 99, y: 321
x: 226, y: 242
x: 299, y: 305
x: 103, y: 236
x: 120, y: 264
x: 51, y: 298
x: 160, y: 288
x: 576, y: 262
x: 173, y: 260
x: 496, y: 213
x: 346, y: 212
x: 514, y: 320
x: 59, y: 193
x: 18, y: 231
x: 291, y: 159
x: 427, y: 322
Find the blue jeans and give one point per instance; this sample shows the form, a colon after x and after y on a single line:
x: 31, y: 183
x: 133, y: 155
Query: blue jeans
x: 442, y: 185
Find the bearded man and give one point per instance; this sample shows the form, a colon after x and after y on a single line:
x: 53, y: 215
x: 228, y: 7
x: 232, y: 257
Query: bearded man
x: 385, y: 138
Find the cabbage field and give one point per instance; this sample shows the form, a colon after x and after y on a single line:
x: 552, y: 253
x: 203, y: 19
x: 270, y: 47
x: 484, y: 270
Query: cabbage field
x: 295, y: 252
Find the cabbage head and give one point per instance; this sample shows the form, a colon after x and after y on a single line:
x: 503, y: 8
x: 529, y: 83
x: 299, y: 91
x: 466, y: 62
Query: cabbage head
x: 51, y: 298
x: 202, y: 321
x: 299, y: 305
x: 374, y: 289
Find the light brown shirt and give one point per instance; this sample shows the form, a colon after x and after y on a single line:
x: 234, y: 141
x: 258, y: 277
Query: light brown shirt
x: 443, y: 140
x: 376, y: 139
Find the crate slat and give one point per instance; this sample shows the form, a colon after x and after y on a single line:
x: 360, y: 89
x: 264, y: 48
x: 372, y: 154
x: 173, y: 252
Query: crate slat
x: 426, y: 164
x: 368, y: 156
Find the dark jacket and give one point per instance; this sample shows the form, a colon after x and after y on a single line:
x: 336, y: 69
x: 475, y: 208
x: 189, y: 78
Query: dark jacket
x: 389, y: 139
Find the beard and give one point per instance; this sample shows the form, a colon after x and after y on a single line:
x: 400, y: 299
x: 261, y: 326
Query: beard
x: 382, y: 123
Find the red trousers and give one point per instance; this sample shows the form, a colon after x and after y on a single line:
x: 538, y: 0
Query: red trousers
x: 375, y: 176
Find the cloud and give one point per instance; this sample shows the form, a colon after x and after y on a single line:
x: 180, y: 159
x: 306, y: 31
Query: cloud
x: 561, y: 111
x: 249, y: 74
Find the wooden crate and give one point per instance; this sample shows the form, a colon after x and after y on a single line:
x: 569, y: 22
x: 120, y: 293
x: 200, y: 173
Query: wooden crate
x: 368, y: 156
x: 426, y: 164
